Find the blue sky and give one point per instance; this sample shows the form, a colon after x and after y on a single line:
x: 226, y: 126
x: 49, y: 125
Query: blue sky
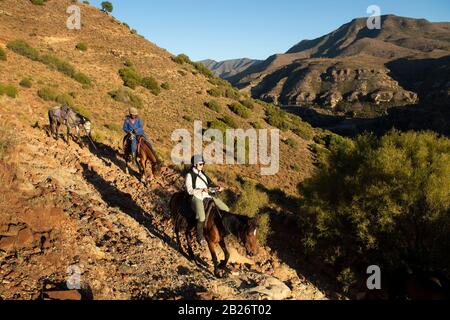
x: 228, y: 29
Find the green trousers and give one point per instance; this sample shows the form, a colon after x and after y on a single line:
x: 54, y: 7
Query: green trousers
x: 199, y: 208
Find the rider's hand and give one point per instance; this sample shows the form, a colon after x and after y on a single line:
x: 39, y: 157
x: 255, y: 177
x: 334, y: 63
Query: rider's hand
x: 221, y: 189
x: 205, y: 190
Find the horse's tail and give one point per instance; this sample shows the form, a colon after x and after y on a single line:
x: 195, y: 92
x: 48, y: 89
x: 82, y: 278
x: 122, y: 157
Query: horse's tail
x: 175, y: 203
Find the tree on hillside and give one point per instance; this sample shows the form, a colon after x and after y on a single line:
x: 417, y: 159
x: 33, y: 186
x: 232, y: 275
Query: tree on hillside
x: 107, y: 6
x: 380, y: 202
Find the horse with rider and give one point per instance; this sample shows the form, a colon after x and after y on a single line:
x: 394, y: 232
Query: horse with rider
x: 138, y: 148
x: 198, y: 209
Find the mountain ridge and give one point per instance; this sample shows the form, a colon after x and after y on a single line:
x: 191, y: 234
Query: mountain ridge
x: 348, y: 66
x: 228, y: 68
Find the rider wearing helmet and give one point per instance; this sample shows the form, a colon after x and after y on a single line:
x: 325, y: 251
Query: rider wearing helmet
x: 134, y: 127
x: 199, y: 186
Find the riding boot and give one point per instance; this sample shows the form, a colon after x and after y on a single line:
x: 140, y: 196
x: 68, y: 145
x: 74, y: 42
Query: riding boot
x: 200, y: 236
x: 135, y: 160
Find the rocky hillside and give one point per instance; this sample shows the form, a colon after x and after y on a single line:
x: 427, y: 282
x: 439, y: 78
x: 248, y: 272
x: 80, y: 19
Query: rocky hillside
x: 67, y: 206
x: 229, y: 68
x: 352, y: 66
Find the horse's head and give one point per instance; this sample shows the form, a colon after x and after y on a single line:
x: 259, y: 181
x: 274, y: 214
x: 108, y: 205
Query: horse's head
x: 249, y: 237
x: 87, y: 125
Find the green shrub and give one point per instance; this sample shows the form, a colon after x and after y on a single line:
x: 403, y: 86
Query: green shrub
x: 82, y: 111
x: 37, y: 2
x: 181, y: 59
x: 56, y: 63
x: 248, y: 103
x: 47, y: 94
x: 188, y: 118
x: 113, y: 127
x: 225, y: 91
x: 249, y: 203
x: 329, y: 140
x: 240, y: 110
x: 81, y: 46
x: 125, y: 95
x: 213, y: 105
x: 82, y: 78
x: 301, y: 128
x: 256, y: 125
x: 291, y: 143
x: 216, y: 92
x: 383, y: 201
x: 9, y: 90
x: 128, y: 63
x: 218, y: 124
x: 200, y: 67
x: 26, y: 83
x: 98, y: 137
x: 107, y: 6
x: 65, y: 99
x: 229, y: 121
x: 232, y: 93
x: 151, y: 84
x: 276, y: 118
x: 130, y: 77
x: 23, y: 48
x: 165, y: 86
x: 2, y: 55
x: 321, y: 154
x: 264, y: 229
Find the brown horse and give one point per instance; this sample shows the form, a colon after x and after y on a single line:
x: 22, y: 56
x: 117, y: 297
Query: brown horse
x: 218, y: 225
x: 145, y: 156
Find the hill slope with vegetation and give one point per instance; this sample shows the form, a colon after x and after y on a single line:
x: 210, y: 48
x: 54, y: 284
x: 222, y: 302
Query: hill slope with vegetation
x: 336, y: 204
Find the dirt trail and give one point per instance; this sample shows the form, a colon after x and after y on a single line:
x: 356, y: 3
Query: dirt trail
x: 116, y: 232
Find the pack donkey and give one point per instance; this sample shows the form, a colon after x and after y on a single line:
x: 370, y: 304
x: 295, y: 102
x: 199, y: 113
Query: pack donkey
x: 64, y: 115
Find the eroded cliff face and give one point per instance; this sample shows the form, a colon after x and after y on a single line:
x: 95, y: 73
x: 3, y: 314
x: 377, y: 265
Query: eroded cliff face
x: 329, y: 83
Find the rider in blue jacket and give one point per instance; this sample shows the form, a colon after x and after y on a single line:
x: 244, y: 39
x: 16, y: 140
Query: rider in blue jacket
x: 133, y: 126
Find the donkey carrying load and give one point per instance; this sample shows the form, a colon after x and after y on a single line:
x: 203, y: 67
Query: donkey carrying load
x: 66, y: 116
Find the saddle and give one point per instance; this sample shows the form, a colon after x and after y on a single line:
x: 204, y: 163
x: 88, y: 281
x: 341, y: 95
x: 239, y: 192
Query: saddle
x: 189, y: 213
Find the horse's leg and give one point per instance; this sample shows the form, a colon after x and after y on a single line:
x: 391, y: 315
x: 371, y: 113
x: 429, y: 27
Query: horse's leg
x: 68, y: 134
x: 177, y: 234
x: 223, y: 245
x: 127, y: 170
x: 189, y: 243
x: 212, y: 249
x: 142, y: 170
x: 57, y: 131
x: 126, y: 158
x: 79, y: 137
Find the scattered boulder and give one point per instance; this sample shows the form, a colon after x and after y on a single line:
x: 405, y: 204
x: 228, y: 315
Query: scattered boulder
x: 272, y: 289
x: 72, y: 295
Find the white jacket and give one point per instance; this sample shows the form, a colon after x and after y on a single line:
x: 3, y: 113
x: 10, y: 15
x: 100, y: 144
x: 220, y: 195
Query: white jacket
x: 200, y: 185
